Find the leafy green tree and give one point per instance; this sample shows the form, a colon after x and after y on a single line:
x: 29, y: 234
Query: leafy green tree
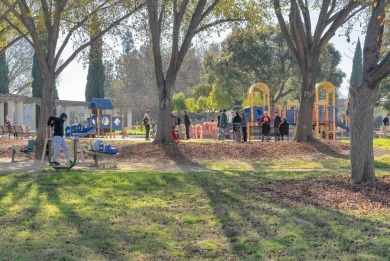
x: 248, y: 56
x: 328, y: 71
x: 384, y: 94
x: 4, y: 80
x: 191, y: 105
x: 307, y: 42
x: 37, y: 20
x: 173, y: 25
x: 202, y: 89
x: 218, y: 99
x: 201, y: 104
x: 179, y: 102
x: 376, y: 67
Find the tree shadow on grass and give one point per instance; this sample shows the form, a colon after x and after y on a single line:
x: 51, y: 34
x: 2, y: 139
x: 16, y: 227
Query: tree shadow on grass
x: 183, y: 161
x: 68, y: 230
x: 259, y: 226
x: 326, y: 149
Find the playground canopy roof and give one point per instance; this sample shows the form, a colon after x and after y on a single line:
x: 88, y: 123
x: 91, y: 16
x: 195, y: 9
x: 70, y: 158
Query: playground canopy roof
x: 100, y: 103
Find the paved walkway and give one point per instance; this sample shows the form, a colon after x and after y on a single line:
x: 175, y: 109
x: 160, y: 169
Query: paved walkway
x: 31, y: 166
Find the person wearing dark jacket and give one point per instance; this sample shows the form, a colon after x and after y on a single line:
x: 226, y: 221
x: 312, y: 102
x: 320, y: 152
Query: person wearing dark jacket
x: 265, y: 130
x: 237, y: 121
x: 386, y: 124
x: 187, y: 123
x: 58, y: 137
x: 244, y: 125
x: 277, y: 121
x: 284, y: 128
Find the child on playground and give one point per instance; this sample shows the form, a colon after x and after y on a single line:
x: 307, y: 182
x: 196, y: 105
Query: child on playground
x: 153, y: 131
x: 58, y: 137
x: 174, y: 135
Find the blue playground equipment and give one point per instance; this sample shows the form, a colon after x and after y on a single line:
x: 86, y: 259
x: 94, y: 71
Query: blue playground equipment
x: 257, y: 111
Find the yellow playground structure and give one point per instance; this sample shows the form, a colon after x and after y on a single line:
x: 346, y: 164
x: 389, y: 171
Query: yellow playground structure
x: 328, y: 121
x: 325, y: 112
x: 266, y: 104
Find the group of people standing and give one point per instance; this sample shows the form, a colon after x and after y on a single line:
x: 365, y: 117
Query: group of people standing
x: 281, y: 126
x: 176, y: 120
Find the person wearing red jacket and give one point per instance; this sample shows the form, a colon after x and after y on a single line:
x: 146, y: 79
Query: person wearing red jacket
x: 265, y: 115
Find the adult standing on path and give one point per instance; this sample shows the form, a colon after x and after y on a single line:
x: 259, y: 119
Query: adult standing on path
x: 244, y: 125
x: 58, y: 138
x: 385, y: 125
x: 187, y: 123
x: 277, y: 121
x: 147, y: 122
x: 223, y: 123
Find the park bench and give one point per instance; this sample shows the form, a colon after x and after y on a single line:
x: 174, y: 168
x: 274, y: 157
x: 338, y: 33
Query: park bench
x: 21, y: 131
x: 98, y: 156
x: 27, y: 151
x: 5, y: 131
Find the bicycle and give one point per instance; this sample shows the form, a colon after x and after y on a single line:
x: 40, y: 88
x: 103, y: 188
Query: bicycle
x: 237, y: 132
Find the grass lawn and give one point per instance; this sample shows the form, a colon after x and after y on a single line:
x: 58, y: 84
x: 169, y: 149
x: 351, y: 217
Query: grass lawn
x: 205, y: 215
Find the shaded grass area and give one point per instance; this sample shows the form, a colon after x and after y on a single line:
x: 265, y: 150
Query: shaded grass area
x: 141, y: 215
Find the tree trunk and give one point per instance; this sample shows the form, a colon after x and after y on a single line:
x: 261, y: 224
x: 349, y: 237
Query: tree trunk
x: 362, y: 151
x: 47, y: 106
x: 304, y: 131
x: 164, y: 122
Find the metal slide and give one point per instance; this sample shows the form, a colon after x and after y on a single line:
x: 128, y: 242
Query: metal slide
x: 342, y: 125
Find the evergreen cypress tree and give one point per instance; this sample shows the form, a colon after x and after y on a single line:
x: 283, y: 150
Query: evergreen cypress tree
x: 4, y: 80
x: 357, y: 66
x: 95, y: 79
x: 96, y: 76
x: 36, y: 85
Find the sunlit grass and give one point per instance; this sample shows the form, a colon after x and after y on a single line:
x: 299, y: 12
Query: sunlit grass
x: 149, y: 215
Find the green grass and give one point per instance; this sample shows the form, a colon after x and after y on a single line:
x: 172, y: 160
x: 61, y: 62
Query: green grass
x: 378, y: 143
x: 382, y: 143
x: 144, y: 215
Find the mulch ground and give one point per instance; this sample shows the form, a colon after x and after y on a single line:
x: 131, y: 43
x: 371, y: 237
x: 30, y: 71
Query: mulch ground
x: 332, y: 192
x: 337, y: 193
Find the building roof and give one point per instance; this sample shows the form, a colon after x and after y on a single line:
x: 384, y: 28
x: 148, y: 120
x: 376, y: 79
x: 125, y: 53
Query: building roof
x: 100, y: 103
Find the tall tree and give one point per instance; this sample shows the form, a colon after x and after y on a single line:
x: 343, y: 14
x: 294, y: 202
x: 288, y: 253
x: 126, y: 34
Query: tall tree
x: 363, y: 95
x: 306, y: 45
x: 58, y: 22
x: 4, y: 80
x: 248, y: 56
x: 20, y: 61
x: 96, y: 76
x: 176, y: 23
x: 357, y: 66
